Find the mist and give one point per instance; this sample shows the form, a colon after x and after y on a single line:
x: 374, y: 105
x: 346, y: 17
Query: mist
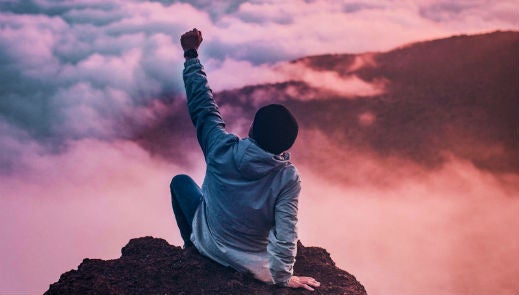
x: 408, y: 193
x: 401, y: 229
x: 397, y: 227
x: 87, y: 202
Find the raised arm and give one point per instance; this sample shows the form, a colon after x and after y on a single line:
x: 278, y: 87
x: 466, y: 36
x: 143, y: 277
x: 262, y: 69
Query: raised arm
x: 201, y: 105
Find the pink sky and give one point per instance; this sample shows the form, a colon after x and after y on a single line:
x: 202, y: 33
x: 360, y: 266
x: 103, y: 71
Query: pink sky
x: 74, y: 186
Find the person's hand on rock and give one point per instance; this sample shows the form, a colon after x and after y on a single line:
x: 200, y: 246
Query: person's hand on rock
x: 303, y: 282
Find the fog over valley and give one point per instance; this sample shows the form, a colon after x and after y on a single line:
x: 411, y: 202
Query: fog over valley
x: 408, y: 144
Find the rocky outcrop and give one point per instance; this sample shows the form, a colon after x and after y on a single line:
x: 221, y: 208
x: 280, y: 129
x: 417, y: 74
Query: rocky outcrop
x: 152, y: 266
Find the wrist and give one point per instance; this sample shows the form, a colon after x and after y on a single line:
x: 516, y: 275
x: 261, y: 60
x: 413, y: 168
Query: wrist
x: 284, y: 283
x: 190, y: 53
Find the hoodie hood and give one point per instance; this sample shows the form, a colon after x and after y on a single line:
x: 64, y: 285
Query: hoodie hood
x: 254, y: 162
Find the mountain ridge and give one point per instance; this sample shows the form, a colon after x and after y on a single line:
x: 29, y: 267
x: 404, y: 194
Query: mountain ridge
x: 451, y: 97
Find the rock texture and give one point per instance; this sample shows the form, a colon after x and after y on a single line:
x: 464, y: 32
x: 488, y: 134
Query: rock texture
x: 152, y: 266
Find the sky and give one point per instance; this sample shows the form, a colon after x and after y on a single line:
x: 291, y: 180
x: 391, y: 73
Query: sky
x: 81, y: 78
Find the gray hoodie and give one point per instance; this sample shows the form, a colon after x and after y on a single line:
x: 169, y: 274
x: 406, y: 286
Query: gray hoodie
x: 248, y: 214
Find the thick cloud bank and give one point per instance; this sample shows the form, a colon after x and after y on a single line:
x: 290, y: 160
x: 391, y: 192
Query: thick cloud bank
x: 93, y: 124
x: 87, y: 69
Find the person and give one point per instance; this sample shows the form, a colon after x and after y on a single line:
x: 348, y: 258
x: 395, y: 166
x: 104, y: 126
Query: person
x: 245, y: 214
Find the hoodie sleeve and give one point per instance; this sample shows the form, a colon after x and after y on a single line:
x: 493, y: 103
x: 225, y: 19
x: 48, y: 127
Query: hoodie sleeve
x: 201, y: 105
x: 282, y: 245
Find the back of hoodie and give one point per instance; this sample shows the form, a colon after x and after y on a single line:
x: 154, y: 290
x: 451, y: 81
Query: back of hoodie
x: 241, y: 188
x: 247, y: 219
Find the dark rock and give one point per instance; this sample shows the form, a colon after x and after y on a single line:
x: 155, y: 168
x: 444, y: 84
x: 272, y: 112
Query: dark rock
x: 152, y: 266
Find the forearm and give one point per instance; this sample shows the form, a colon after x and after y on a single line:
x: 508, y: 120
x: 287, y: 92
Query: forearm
x: 282, y: 258
x: 201, y: 104
x: 283, y: 238
x: 200, y: 99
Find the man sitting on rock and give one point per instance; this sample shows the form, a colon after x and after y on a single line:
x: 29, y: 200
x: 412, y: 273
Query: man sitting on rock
x: 246, y: 212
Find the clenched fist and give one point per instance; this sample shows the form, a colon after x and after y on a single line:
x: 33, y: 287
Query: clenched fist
x: 191, y: 39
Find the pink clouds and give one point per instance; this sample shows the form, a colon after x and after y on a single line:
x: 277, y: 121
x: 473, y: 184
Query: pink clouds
x: 415, y: 229
x: 367, y: 118
x: 429, y: 240
x: 349, y: 86
x: 80, y: 74
x: 362, y: 61
x: 136, y: 49
x: 87, y: 202
x: 66, y: 204
x: 230, y: 74
x: 316, y: 27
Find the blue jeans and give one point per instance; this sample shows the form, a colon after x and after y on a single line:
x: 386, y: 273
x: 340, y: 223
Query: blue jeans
x: 185, y: 199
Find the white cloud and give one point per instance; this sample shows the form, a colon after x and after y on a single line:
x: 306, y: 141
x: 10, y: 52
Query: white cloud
x: 132, y: 46
x: 231, y: 74
x: 74, y: 70
x: 350, y: 86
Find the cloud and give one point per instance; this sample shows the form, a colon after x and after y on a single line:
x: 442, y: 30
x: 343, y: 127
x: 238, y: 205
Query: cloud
x: 130, y: 48
x: 231, y: 74
x: 468, y: 11
x: 391, y: 216
x: 14, y: 142
x: 329, y: 82
x: 352, y: 7
x: 85, y: 202
x: 391, y: 220
x: 449, y: 220
x: 350, y: 86
x: 93, y: 124
x: 79, y: 78
x: 98, y: 16
x: 308, y: 28
x: 215, y: 9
